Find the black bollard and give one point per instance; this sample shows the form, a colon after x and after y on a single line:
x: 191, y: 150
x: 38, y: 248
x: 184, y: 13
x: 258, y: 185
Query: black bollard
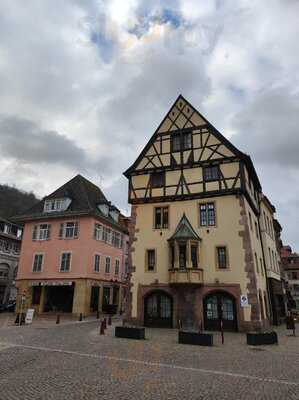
x: 222, y: 333
x: 58, y: 319
x: 22, y: 319
x: 98, y: 314
x: 102, y: 329
x: 80, y: 317
x: 105, y: 323
x: 109, y: 320
x: 17, y: 321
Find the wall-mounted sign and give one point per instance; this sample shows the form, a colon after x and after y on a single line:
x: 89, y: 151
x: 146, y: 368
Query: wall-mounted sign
x: 244, y: 300
x: 51, y: 283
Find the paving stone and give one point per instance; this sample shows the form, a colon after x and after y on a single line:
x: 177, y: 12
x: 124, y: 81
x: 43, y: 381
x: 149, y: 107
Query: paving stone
x: 74, y: 362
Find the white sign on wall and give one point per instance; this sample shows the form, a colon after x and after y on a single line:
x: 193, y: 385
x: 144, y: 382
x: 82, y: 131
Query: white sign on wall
x: 244, y: 300
x: 29, y: 316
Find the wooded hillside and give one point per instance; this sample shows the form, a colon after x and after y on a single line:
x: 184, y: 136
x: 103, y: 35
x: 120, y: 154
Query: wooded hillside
x: 14, y: 201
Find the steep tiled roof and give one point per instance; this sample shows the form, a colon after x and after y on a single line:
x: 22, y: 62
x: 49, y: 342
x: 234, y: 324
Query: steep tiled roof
x: 85, y: 198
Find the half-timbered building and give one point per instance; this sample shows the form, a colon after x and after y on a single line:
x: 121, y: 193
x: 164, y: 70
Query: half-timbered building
x: 196, y: 255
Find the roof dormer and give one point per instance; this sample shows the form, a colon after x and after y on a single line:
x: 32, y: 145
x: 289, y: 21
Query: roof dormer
x: 104, y: 208
x: 56, y: 205
x: 114, y: 213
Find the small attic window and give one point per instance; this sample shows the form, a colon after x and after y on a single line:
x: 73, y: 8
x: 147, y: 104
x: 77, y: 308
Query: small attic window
x: 56, y: 205
x: 114, y: 214
x: 104, y: 208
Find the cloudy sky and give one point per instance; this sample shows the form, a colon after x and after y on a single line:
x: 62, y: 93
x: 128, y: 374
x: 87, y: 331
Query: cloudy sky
x: 84, y: 83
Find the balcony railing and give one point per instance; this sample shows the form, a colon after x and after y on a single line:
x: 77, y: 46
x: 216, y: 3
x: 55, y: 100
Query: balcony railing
x: 186, y: 276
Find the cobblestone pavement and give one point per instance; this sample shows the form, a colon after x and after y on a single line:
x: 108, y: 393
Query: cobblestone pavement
x: 42, y: 320
x: 73, y: 361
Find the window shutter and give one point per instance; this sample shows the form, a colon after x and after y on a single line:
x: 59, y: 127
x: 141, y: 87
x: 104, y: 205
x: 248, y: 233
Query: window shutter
x: 61, y: 229
x: 49, y: 232
x: 76, y: 229
x: 34, y: 233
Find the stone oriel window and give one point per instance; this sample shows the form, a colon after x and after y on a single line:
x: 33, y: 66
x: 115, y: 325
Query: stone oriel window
x: 194, y: 255
x: 182, y: 255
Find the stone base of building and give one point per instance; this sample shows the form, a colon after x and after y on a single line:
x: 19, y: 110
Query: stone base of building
x: 77, y: 296
x: 196, y: 307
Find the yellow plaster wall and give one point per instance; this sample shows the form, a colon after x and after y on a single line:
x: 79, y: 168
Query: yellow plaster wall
x: 256, y: 246
x: 140, y: 181
x: 269, y: 242
x: 226, y: 233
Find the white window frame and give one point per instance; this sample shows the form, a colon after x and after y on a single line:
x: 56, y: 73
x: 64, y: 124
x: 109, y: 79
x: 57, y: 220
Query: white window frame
x: 37, y: 231
x: 60, y: 261
x: 98, y: 231
x: 44, y: 234
x: 94, y: 263
x: 74, y: 222
x: 106, y: 258
x: 42, y: 263
x: 56, y: 205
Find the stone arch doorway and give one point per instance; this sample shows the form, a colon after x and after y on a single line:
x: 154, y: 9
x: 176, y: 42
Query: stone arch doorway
x: 158, y: 310
x: 220, y: 306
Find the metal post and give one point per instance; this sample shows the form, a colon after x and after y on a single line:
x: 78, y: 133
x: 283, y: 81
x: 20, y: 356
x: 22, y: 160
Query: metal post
x: 109, y: 320
x: 221, y: 324
x: 80, y: 317
x: 57, y: 319
x: 222, y: 334
x: 102, y: 329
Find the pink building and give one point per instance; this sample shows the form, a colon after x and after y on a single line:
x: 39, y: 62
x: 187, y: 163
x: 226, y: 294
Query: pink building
x: 74, y: 252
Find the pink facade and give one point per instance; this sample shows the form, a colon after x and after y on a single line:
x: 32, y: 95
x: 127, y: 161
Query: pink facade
x: 83, y: 250
x: 74, y: 252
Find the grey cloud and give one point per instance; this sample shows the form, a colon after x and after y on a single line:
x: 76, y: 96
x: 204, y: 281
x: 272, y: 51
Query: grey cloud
x: 27, y: 144
x: 25, y: 141
x: 268, y: 128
